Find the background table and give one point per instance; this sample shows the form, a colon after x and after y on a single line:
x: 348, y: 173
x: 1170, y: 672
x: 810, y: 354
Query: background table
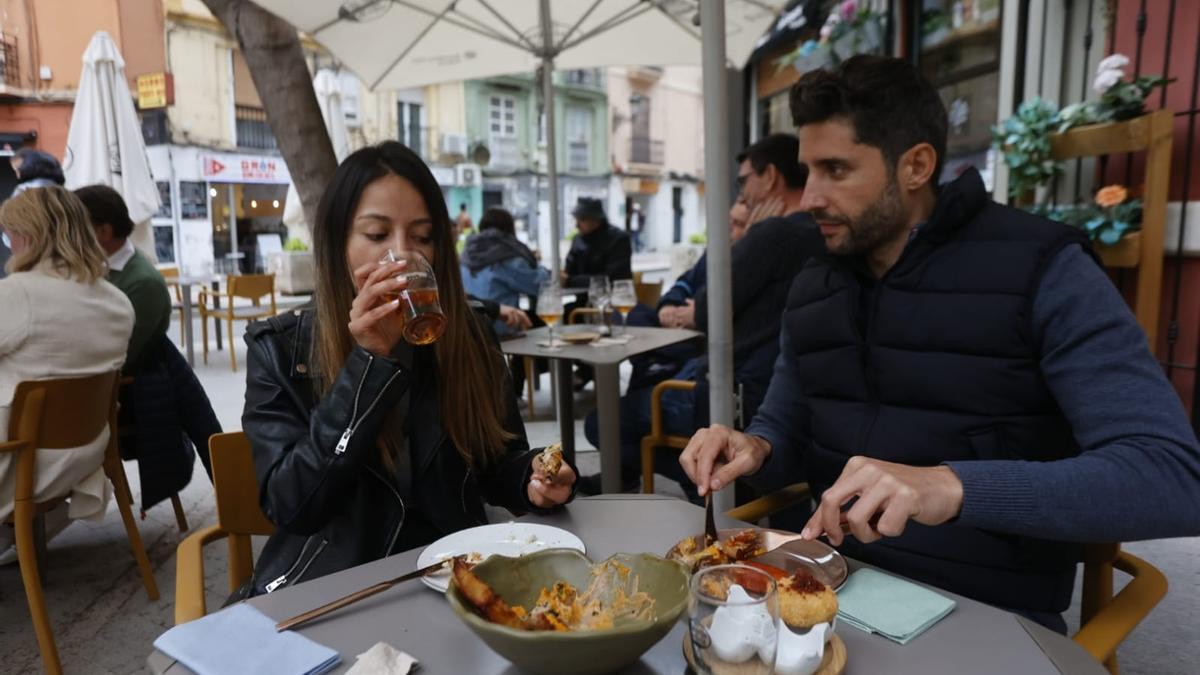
x: 606, y: 360
x: 185, y: 292
x: 974, y: 638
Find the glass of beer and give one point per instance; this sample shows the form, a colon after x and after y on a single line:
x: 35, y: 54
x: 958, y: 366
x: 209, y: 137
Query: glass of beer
x: 623, y: 299
x: 550, y: 309
x: 424, y: 321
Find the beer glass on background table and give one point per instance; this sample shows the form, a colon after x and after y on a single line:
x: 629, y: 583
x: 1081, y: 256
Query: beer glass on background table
x: 550, y: 309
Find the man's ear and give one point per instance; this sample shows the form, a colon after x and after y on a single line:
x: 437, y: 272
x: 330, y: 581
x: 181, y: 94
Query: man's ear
x: 916, y: 167
x: 772, y: 177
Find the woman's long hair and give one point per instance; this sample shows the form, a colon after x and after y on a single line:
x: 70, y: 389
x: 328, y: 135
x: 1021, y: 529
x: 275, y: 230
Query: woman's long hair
x: 471, y: 371
x: 56, y: 229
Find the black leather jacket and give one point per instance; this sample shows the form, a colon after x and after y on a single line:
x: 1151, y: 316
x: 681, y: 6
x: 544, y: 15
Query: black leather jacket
x: 321, y: 479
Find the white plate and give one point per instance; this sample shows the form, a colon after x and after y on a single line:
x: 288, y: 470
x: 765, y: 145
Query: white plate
x: 511, y: 539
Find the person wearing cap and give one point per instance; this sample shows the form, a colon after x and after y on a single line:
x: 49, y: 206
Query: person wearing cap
x: 598, y: 249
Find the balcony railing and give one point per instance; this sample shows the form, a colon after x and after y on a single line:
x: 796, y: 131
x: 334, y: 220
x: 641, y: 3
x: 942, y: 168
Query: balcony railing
x: 505, y: 151
x: 10, y: 71
x: 644, y: 150
x: 579, y: 156
x: 253, y: 131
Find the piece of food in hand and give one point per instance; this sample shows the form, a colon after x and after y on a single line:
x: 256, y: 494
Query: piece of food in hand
x: 804, y: 601
x: 552, y: 460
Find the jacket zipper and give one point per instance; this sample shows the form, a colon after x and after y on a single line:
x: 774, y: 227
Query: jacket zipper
x: 462, y: 494
x: 311, y: 560
x: 403, y: 511
x: 282, y: 579
x: 355, y: 420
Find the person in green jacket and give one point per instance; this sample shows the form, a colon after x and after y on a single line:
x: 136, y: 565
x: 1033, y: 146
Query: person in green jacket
x: 129, y: 271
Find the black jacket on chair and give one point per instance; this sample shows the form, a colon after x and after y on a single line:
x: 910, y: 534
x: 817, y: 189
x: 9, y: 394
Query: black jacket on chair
x: 321, y: 479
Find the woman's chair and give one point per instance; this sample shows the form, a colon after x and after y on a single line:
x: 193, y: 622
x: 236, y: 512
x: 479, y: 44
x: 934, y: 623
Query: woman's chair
x: 238, y: 517
x: 252, y: 287
x: 50, y: 415
x: 1106, y: 620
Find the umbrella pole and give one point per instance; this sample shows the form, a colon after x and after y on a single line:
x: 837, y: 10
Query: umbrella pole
x: 551, y: 139
x: 716, y: 194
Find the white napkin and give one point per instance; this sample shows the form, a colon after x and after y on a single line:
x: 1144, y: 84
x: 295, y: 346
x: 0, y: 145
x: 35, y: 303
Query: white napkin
x: 382, y: 659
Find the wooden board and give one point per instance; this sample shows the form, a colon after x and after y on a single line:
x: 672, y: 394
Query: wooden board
x: 834, y: 662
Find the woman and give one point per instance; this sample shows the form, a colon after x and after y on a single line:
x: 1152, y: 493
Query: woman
x: 496, y: 266
x: 364, y: 445
x: 61, y: 319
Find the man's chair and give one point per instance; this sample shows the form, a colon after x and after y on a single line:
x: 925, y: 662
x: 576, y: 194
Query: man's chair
x: 1106, y: 620
x: 253, y: 287
x: 657, y: 438
x: 50, y: 415
x: 238, y: 517
x: 171, y: 276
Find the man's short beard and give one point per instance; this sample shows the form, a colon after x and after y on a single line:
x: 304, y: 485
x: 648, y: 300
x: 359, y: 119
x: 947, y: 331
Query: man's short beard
x: 877, y: 224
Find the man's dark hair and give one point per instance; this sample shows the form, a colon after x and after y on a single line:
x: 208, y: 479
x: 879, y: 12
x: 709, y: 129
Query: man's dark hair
x: 104, y: 205
x: 782, y: 152
x: 33, y: 164
x: 891, y: 106
x: 498, y: 219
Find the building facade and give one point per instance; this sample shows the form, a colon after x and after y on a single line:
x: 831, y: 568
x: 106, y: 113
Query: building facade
x: 657, y: 153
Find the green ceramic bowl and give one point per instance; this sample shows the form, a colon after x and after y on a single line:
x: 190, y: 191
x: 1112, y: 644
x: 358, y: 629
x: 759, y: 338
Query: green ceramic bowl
x: 519, y: 580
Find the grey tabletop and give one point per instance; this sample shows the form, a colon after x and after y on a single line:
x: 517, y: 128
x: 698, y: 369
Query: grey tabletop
x: 643, y: 340
x: 974, y: 638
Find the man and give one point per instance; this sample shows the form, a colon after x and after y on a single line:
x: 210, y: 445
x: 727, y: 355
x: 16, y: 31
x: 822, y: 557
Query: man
x: 129, y: 271
x: 763, y: 262
x: 598, y: 249
x: 463, y: 224
x: 955, y: 363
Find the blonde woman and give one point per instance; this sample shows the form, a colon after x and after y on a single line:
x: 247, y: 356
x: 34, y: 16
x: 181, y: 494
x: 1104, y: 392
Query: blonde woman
x: 61, y: 319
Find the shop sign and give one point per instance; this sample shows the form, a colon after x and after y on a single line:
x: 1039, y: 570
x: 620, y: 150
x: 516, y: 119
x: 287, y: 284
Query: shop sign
x: 155, y: 90
x: 224, y: 168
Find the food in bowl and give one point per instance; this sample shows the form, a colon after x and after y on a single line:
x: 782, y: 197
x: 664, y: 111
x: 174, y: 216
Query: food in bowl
x: 611, y: 596
x: 743, y: 545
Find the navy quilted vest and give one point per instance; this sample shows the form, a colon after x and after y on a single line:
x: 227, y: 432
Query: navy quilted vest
x: 936, y: 362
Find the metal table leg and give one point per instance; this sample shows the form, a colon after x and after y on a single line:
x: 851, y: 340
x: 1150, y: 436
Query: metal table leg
x: 216, y: 287
x: 564, y: 400
x: 186, y: 301
x: 608, y: 401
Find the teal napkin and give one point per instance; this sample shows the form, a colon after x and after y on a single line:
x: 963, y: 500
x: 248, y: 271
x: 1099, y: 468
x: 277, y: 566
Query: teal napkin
x: 898, y: 610
x: 242, y: 639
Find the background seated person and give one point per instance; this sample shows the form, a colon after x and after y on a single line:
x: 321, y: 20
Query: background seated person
x: 496, y: 266
x: 939, y: 379
x: 368, y: 445
x: 61, y: 319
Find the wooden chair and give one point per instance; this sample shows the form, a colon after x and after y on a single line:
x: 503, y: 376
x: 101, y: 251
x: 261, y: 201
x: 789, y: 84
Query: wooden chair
x: 171, y: 276
x: 253, y: 287
x: 49, y: 415
x: 578, y: 314
x: 238, y: 517
x: 180, y: 516
x: 1106, y: 620
x: 657, y: 438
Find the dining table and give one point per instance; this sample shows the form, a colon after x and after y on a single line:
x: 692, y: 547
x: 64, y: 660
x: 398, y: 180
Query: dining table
x: 185, y: 300
x: 974, y: 638
x: 605, y: 356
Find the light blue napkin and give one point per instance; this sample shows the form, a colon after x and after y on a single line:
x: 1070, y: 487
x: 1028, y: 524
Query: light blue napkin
x: 898, y: 610
x: 242, y: 639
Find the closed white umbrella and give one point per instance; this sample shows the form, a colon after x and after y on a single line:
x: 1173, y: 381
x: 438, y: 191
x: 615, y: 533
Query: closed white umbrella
x: 329, y: 99
x: 104, y: 143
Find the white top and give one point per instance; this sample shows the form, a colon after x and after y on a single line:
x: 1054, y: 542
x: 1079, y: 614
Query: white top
x: 118, y: 260
x: 55, y: 327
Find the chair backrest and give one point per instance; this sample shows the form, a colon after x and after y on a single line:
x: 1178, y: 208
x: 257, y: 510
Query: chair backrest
x: 169, y: 272
x: 251, y: 286
x: 63, y: 413
x: 235, y: 485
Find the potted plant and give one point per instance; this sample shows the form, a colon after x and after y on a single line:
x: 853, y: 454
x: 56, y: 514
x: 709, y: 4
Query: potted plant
x: 293, y: 268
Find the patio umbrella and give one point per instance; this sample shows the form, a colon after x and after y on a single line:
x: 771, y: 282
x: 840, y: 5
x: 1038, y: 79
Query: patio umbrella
x: 329, y: 99
x: 104, y: 142
x: 395, y: 44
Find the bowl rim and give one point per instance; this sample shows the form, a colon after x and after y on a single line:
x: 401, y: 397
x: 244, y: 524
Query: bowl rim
x: 671, y: 616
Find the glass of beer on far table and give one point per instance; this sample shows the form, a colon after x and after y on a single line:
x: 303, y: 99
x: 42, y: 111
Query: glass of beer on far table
x: 424, y: 320
x: 550, y: 309
x: 623, y: 299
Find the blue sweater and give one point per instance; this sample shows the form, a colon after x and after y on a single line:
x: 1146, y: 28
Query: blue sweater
x: 1138, y: 473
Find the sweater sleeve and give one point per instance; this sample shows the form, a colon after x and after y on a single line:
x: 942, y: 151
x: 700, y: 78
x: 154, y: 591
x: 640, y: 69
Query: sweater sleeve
x: 782, y: 421
x: 1138, y: 474
x: 152, y: 314
x: 753, y: 261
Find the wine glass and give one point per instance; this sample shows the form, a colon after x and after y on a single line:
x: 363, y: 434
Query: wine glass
x: 623, y: 299
x: 550, y: 309
x: 599, y: 291
x: 424, y: 320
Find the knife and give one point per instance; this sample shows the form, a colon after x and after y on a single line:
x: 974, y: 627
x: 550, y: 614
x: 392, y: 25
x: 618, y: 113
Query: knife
x: 355, y: 597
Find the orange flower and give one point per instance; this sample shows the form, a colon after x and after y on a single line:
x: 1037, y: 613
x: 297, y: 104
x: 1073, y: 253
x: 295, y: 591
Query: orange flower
x: 1111, y: 196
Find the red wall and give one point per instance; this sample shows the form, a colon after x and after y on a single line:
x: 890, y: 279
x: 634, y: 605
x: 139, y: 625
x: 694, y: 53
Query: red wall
x: 49, y: 120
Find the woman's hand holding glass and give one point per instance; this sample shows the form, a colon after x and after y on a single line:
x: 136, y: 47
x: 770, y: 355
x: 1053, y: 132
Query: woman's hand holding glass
x: 374, y: 322
x: 546, y: 491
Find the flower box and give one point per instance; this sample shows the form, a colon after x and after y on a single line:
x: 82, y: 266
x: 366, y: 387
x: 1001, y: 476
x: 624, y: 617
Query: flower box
x: 1125, y: 253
